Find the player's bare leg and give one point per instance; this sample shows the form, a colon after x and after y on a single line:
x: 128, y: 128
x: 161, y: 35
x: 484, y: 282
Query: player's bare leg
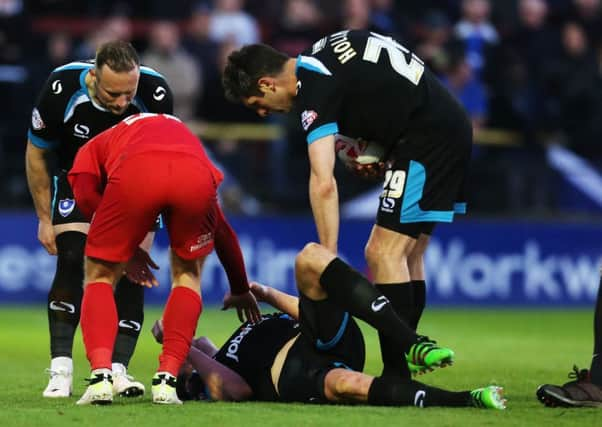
x: 344, y: 386
x: 417, y: 277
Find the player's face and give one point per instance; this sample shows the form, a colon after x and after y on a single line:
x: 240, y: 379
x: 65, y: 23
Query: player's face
x: 274, y: 100
x: 115, y: 91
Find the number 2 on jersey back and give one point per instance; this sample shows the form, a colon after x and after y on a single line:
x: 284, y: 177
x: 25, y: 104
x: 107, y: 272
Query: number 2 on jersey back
x: 412, y: 70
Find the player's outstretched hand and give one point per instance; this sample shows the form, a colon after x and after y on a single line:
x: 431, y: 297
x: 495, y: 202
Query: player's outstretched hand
x: 138, y: 269
x: 244, y: 303
x: 370, y: 171
x: 46, y: 236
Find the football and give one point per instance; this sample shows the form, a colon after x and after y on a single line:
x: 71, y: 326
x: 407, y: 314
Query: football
x: 360, y: 151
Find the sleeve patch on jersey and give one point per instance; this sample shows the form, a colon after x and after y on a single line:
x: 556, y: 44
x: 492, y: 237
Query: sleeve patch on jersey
x: 312, y: 64
x: 307, y: 118
x: 36, y: 120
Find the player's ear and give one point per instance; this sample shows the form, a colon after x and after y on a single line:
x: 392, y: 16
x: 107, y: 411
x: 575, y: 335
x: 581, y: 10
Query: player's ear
x: 267, y: 84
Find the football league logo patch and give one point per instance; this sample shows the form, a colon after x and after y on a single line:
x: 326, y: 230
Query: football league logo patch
x: 66, y: 206
x: 307, y: 118
x: 36, y: 120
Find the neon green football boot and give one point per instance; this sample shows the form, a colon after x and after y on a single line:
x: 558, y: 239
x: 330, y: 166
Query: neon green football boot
x: 490, y: 397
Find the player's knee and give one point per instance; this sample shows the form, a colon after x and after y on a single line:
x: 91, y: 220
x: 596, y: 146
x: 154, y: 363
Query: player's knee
x: 341, y: 385
x: 70, y: 248
x: 375, y: 252
x: 303, y: 260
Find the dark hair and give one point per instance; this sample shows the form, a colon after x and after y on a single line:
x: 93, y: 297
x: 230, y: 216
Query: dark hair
x: 190, y: 387
x: 246, y: 66
x: 118, y: 55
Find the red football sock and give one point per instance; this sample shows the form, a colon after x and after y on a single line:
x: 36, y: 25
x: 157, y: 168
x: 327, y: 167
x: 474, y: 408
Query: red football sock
x: 99, y: 324
x: 180, y: 318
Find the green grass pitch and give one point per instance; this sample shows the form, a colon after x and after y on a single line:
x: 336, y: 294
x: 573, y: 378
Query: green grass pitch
x: 516, y: 349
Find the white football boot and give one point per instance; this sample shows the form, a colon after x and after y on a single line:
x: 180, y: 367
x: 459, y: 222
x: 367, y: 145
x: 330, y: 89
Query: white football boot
x: 164, y: 389
x: 61, y: 378
x: 100, y: 389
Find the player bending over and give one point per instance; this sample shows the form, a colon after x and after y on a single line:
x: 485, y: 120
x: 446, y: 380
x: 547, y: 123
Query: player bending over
x: 311, y: 352
x: 148, y: 165
x: 365, y: 86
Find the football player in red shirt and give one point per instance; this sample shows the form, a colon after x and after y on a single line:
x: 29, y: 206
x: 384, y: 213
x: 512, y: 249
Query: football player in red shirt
x: 122, y: 179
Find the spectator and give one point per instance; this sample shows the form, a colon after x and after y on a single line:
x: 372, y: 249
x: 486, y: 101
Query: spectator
x: 230, y: 21
x: 588, y: 14
x: 116, y: 27
x: 385, y: 17
x: 299, y: 27
x: 518, y: 96
x: 477, y: 32
x: 433, y: 37
x: 356, y: 15
x: 571, y: 80
x: 166, y: 55
x: 205, y: 51
x: 460, y: 80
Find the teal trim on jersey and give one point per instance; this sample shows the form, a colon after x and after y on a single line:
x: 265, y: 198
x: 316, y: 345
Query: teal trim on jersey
x: 149, y: 71
x: 410, y: 210
x: 322, y: 131
x: 335, y: 340
x: 82, y: 80
x: 316, y: 67
x: 74, y: 66
x: 341, y: 365
x: 160, y: 221
x: 40, y: 142
x: 460, y: 208
x: 73, y: 99
x: 55, y: 186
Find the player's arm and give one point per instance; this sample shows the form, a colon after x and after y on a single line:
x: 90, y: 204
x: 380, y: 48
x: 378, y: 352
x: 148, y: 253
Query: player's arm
x: 222, y: 382
x: 228, y: 251
x: 38, y: 180
x: 323, y: 192
x: 85, y: 176
x: 230, y: 255
x: 280, y: 300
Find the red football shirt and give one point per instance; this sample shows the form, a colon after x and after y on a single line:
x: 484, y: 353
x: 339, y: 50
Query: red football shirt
x: 139, y: 133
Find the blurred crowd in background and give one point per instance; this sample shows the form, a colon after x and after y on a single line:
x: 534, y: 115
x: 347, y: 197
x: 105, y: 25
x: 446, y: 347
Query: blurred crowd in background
x: 529, y: 73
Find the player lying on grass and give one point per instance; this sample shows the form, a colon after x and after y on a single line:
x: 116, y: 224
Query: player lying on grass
x: 586, y: 388
x: 313, y: 351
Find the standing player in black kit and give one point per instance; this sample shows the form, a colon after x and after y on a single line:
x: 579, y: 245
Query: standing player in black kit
x: 78, y: 101
x: 367, y: 86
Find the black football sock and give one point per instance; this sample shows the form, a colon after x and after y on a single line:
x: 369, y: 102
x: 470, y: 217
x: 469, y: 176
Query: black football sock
x: 391, y: 391
x: 419, y: 302
x: 354, y: 293
x: 401, y: 297
x: 596, y: 367
x: 66, y: 292
x: 129, y: 298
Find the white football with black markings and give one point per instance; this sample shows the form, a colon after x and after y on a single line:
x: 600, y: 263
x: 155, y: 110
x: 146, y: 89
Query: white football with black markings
x: 350, y: 150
